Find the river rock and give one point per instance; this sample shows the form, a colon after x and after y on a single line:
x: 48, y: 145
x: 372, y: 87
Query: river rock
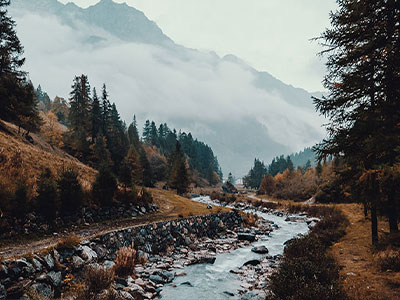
x: 187, y: 283
x: 43, y: 290
x: 49, y: 261
x: 253, y: 262
x: 156, y: 279
x: 3, y: 293
x: 54, y: 278
x: 88, y: 254
x: 260, y: 250
x: 246, y: 237
x: 254, y: 295
x: 77, y: 262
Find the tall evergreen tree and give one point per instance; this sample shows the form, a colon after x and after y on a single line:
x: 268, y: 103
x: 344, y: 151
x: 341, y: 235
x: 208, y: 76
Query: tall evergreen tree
x: 179, y: 178
x: 17, y: 97
x: 96, y: 116
x: 363, y: 49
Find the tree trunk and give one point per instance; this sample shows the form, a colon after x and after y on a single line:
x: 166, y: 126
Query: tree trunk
x: 365, y: 210
x: 392, y: 210
x: 374, y: 223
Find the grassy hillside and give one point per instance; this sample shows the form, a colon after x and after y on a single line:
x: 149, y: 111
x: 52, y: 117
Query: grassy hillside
x: 21, y: 160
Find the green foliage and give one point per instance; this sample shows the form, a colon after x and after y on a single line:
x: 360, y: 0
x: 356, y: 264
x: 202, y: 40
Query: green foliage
x: 255, y: 175
x: 179, y: 178
x: 104, y: 187
x: 20, y: 201
x: 70, y: 192
x: 46, y: 200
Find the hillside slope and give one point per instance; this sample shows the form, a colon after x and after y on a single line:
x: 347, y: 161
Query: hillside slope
x: 22, y: 160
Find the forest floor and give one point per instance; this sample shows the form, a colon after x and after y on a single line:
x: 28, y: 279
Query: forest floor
x: 171, y: 206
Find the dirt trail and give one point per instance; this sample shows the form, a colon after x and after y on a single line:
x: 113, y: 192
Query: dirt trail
x: 170, y: 206
x: 360, y: 275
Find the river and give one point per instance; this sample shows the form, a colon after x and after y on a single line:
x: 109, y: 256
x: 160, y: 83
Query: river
x: 215, y: 282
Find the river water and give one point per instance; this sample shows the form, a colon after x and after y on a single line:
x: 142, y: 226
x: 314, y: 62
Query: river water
x: 210, y: 282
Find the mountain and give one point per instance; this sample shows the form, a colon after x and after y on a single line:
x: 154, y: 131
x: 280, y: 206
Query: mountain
x: 240, y: 112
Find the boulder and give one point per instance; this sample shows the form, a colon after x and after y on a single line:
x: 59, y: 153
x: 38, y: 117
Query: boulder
x: 253, y: 262
x: 260, y: 250
x: 54, y: 278
x: 3, y: 293
x: 187, y: 283
x: 157, y: 279
x: 168, y: 276
x: 246, y: 237
x: 49, y: 261
x: 77, y: 262
x: 16, y: 290
x: 43, y: 290
x: 88, y: 254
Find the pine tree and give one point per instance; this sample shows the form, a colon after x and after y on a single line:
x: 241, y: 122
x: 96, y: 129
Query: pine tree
x: 47, y: 203
x: 104, y: 187
x: 101, y: 155
x: 96, y: 116
x: 179, y: 178
x: 362, y: 104
x: 17, y: 97
x: 70, y: 192
x: 147, y: 132
x: 132, y: 159
x: 133, y: 134
x: 147, y: 174
x: 105, y: 110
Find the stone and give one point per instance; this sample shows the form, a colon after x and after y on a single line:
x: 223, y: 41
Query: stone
x: 140, y: 282
x: 25, y: 267
x: 229, y: 293
x: 54, y: 278
x: 246, y: 237
x: 43, y: 290
x: 169, y: 276
x: 77, y: 262
x: 108, y: 264
x: 254, y: 295
x: 49, y: 261
x: 260, y: 250
x: 156, y: 279
x: 253, y: 262
x: 88, y: 254
x: 126, y: 295
x: 121, y: 281
x: 36, y: 263
x: 3, y: 293
x: 187, y: 283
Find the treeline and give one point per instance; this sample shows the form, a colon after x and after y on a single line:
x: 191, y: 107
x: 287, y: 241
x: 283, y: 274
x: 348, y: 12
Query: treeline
x: 277, y: 166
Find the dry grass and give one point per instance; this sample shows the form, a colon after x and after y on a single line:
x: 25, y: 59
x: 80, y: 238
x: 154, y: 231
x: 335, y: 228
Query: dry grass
x: 249, y: 219
x: 68, y: 242
x: 125, y: 261
x: 361, y: 274
x: 388, y: 260
x: 21, y: 160
x: 95, y: 281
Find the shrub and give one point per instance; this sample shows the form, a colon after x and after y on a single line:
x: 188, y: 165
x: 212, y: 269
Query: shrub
x: 96, y: 279
x: 20, y: 201
x: 249, y: 219
x: 389, y: 260
x: 104, y: 187
x: 125, y: 261
x: 47, y: 195
x: 68, y: 242
x: 145, y: 196
x: 70, y: 192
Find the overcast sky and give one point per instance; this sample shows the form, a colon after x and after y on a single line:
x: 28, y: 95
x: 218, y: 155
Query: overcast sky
x: 270, y: 35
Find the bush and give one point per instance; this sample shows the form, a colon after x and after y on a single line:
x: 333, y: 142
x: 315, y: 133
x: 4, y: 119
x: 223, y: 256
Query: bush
x: 125, y: 261
x: 70, y: 192
x: 389, y: 260
x: 104, y: 187
x: 20, y: 202
x: 96, y: 279
x: 47, y: 195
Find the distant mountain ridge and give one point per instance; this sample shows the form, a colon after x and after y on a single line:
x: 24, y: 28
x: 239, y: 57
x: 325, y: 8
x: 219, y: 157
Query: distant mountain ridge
x: 236, y: 142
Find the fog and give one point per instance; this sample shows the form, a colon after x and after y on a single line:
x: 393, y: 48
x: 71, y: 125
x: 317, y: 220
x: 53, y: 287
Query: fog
x: 195, y: 91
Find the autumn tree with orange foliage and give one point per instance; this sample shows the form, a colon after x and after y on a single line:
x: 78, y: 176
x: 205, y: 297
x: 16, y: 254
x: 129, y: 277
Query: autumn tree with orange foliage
x: 51, y: 130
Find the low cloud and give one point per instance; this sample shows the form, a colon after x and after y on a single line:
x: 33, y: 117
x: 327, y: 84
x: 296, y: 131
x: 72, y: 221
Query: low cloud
x: 194, y: 90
